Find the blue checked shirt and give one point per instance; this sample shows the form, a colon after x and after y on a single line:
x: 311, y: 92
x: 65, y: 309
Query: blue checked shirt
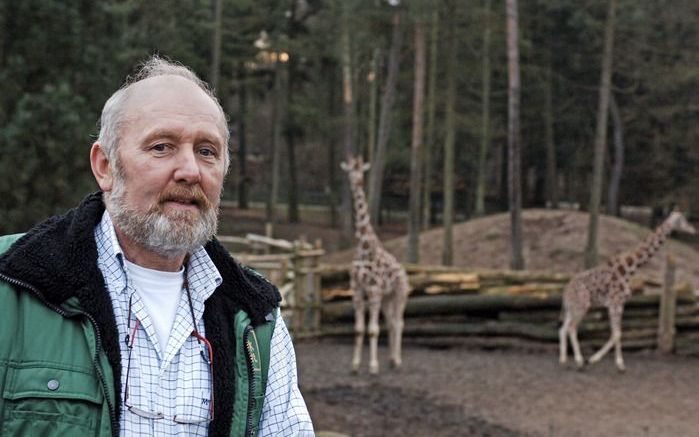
x: 173, y: 379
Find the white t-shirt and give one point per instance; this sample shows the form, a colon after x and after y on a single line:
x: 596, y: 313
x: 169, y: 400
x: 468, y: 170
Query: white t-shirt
x: 160, y: 293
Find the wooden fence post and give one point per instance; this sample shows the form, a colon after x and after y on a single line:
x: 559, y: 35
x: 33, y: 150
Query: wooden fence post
x: 269, y: 233
x: 299, y: 290
x: 302, y: 299
x: 668, y: 305
x: 307, y: 287
x: 317, y: 293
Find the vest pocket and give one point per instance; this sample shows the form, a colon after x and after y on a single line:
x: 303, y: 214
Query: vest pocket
x: 40, y: 399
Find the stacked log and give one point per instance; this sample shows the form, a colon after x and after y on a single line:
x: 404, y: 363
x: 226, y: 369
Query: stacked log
x: 448, y: 303
x: 450, y: 280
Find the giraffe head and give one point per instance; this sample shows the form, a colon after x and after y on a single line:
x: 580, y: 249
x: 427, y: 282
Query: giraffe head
x: 355, y: 168
x: 678, y: 222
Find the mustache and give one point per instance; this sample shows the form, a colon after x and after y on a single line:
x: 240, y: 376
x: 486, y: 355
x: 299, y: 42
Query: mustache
x: 193, y: 195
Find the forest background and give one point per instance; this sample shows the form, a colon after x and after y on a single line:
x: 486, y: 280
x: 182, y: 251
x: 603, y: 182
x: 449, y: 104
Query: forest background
x: 307, y: 81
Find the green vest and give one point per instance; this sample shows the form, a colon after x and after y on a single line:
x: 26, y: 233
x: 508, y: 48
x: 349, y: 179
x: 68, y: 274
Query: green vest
x: 252, y: 366
x: 56, y: 380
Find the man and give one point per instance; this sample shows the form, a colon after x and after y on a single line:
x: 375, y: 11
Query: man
x: 125, y: 316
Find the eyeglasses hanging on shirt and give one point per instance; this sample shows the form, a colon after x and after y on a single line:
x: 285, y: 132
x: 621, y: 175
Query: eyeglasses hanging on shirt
x: 205, y: 350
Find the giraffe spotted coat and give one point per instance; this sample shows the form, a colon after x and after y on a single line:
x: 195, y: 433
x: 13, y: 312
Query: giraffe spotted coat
x: 377, y: 279
x: 608, y: 286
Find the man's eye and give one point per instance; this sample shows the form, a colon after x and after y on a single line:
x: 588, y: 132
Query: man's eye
x: 159, y: 147
x: 207, y: 151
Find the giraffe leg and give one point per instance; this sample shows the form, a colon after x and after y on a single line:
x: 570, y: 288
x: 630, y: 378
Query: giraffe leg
x: 398, y: 320
x: 573, y: 317
x: 562, y: 339
x: 573, y: 334
x: 614, y: 339
x: 603, y: 350
x: 398, y: 340
x: 576, y: 303
x: 389, y: 314
x: 359, y: 328
x: 373, y: 332
x: 615, y: 320
x: 394, y: 345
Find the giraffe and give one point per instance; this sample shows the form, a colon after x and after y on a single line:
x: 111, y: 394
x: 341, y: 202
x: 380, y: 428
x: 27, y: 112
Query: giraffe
x: 608, y: 285
x: 376, y: 278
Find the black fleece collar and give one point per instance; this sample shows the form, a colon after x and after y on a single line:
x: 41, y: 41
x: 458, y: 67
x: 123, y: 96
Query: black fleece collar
x: 59, y: 258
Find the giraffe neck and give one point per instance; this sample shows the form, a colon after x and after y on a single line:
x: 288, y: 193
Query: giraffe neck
x: 364, y: 231
x: 636, y: 258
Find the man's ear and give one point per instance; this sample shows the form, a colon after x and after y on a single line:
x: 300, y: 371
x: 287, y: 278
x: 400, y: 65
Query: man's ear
x: 100, y: 167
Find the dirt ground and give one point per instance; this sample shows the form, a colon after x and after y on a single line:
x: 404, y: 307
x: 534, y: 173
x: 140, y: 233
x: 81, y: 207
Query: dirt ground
x: 466, y: 391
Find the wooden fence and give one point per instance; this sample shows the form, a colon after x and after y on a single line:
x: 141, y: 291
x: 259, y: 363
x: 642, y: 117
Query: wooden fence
x: 293, y: 268
x: 448, y: 305
x: 494, y: 307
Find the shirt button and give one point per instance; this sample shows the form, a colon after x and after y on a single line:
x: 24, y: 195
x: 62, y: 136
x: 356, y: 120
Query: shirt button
x: 53, y: 384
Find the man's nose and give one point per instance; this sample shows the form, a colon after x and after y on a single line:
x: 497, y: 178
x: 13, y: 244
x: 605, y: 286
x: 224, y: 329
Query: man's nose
x: 187, y: 170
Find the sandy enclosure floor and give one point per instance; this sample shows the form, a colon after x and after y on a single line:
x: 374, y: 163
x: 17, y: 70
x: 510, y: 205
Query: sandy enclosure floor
x: 467, y: 391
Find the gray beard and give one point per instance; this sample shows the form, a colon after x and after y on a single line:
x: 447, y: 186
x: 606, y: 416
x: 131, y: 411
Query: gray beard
x: 167, y: 234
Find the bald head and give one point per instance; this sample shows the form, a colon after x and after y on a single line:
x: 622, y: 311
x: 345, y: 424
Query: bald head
x: 150, y: 84
x: 177, y: 94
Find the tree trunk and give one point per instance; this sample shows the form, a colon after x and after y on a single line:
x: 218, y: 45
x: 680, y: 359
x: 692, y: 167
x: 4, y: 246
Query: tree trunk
x: 416, y: 146
x: 431, y: 109
x: 618, y: 165
x: 278, y: 117
x: 591, y: 255
x: 216, y: 45
x: 329, y: 139
x: 373, y: 95
x: 551, y: 164
x: 485, y: 102
x: 385, y: 119
x: 348, y: 125
x: 448, y: 207
x: 360, y: 106
x: 293, y: 202
x: 513, y: 138
x: 243, y: 177
x: 501, y: 175
x: 290, y: 134
x: 291, y: 130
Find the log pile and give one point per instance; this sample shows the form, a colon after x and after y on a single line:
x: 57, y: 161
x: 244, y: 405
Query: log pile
x: 433, y: 280
x: 505, y: 305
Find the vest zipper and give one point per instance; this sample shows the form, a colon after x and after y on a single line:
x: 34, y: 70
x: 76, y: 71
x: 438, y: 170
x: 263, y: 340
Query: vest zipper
x: 100, y: 375
x: 251, y: 381
x: 35, y: 292
x: 66, y: 314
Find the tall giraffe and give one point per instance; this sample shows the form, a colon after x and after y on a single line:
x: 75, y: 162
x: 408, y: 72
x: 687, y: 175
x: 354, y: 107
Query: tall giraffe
x: 608, y: 285
x: 376, y: 277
